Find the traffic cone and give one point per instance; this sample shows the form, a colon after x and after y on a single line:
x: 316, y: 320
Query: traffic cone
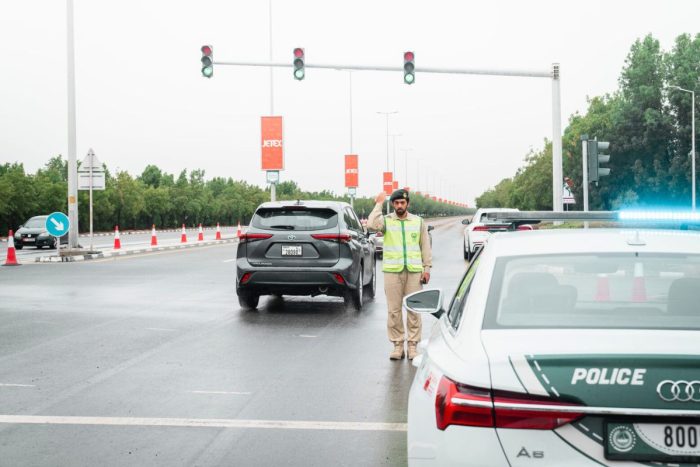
x: 218, y: 232
x: 603, y: 289
x: 639, y: 290
x: 154, y: 238
x: 200, y: 236
x: 117, y: 241
x: 11, y: 259
x: 183, y: 237
x: 238, y: 232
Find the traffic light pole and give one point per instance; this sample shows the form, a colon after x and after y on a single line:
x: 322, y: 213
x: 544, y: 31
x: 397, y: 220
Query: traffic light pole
x: 553, y: 74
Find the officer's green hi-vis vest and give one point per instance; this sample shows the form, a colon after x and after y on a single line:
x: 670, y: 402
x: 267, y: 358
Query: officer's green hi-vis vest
x: 402, y: 245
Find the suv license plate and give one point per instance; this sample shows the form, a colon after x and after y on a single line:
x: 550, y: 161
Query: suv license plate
x: 663, y: 442
x: 291, y: 250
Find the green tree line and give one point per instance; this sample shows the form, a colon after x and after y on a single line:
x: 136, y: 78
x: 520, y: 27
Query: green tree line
x: 156, y: 197
x: 648, y: 125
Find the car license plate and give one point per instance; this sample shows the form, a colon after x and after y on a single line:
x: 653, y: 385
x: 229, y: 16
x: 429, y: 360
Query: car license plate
x: 675, y: 442
x: 291, y: 250
x: 29, y: 240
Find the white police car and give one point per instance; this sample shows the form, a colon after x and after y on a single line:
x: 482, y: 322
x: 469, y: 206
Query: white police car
x: 565, y: 348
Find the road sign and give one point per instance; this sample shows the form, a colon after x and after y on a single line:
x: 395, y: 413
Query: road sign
x: 273, y: 176
x: 568, y: 195
x: 98, y: 180
x: 91, y: 162
x: 57, y: 224
x: 352, y: 191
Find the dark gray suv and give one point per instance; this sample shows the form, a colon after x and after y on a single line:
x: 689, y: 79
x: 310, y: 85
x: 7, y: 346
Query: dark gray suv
x: 305, y: 248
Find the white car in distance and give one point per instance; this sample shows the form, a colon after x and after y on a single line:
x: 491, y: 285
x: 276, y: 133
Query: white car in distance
x: 479, y: 229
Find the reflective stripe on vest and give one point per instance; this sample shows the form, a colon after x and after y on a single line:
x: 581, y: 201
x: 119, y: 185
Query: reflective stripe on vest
x: 402, y: 245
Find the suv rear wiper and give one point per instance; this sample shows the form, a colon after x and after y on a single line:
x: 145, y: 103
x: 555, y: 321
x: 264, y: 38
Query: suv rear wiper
x: 287, y: 227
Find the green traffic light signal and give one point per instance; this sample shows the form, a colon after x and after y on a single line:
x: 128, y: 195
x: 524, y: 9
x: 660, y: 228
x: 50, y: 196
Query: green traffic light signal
x: 207, y: 61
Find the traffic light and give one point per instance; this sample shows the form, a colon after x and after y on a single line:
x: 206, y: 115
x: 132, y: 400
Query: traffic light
x: 409, y: 67
x: 207, y: 61
x: 595, y: 158
x: 299, y: 64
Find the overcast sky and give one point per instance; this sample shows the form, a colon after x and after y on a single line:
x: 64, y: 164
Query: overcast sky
x: 141, y: 98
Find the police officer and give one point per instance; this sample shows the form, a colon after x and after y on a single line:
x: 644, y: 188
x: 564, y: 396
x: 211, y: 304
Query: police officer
x: 406, y: 265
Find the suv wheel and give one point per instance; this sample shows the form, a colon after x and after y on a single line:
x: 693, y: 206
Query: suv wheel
x: 248, y: 300
x: 54, y: 243
x: 353, y: 297
x: 18, y: 246
x: 372, y: 286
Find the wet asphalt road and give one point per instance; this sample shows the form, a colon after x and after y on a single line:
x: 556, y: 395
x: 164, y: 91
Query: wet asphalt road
x: 148, y: 360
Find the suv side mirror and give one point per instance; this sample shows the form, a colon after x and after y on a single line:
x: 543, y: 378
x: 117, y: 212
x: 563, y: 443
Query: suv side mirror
x: 431, y: 227
x: 425, y: 301
x: 465, y: 221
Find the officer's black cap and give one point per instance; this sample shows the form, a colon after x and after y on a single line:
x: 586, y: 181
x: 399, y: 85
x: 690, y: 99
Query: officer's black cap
x: 399, y: 194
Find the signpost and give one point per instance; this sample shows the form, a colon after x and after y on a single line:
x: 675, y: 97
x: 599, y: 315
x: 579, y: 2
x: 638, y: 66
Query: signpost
x: 91, y: 176
x: 272, y: 149
x: 351, y: 175
x: 57, y: 225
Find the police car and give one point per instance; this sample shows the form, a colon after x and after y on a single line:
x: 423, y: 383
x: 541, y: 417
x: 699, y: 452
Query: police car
x: 564, y: 347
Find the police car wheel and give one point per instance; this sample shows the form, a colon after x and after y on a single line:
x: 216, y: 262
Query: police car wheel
x: 371, y: 288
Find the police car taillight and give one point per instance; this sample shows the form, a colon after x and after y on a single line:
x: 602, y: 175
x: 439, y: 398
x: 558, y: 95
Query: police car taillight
x: 458, y: 404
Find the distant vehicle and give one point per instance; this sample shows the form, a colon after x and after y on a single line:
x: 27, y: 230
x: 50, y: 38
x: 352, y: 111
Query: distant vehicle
x: 305, y: 248
x: 34, y: 233
x: 477, y: 231
x: 569, y: 347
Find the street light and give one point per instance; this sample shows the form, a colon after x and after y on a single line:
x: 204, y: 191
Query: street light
x: 387, y: 134
x: 393, y: 151
x: 405, y: 161
x: 692, y: 149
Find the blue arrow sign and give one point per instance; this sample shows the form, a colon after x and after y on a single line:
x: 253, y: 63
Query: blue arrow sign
x: 57, y: 224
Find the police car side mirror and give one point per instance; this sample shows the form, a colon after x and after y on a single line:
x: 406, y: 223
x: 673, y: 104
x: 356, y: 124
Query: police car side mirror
x: 425, y: 301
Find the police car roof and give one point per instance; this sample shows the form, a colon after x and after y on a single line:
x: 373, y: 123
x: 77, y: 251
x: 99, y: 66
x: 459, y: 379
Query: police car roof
x: 553, y: 241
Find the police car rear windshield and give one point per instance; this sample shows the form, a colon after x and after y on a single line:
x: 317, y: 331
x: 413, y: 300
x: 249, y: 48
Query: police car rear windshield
x: 295, y: 218
x: 630, y: 291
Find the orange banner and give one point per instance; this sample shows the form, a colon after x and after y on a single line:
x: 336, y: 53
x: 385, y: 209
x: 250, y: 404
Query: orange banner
x: 395, y: 185
x: 271, y: 143
x: 388, y: 184
x: 352, y: 175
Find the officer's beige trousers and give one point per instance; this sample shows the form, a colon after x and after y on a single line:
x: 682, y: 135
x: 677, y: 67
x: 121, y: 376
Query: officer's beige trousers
x: 396, y: 286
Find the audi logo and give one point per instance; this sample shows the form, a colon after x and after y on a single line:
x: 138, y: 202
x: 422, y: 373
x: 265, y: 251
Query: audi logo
x: 679, y: 391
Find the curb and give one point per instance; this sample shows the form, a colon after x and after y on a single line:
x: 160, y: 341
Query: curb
x: 110, y: 254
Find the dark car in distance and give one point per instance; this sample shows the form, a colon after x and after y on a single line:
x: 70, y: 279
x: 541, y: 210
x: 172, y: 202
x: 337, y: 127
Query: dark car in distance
x: 34, y: 233
x: 305, y: 248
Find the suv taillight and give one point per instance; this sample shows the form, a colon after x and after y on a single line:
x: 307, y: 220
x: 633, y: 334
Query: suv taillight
x: 252, y: 237
x: 458, y: 404
x: 339, y: 237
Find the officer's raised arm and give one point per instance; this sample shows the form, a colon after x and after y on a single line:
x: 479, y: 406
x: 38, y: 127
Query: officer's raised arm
x: 375, y: 221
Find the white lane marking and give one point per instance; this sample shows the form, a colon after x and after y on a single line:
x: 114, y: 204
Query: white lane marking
x: 229, y: 260
x: 203, y: 423
x: 307, y: 335
x: 13, y: 385
x: 161, y: 329
x: 236, y: 393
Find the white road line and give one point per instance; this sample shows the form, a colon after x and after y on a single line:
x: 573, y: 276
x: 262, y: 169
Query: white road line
x: 307, y: 335
x: 229, y: 260
x: 161, y: 329
x: 235, y: 393
x: 202, y: 423
x: 13, y: 385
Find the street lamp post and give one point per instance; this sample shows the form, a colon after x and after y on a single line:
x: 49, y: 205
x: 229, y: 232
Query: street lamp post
x: 692, y: 142
x: 387, y: 134
x: 393, y: 151
x: 405, y: 160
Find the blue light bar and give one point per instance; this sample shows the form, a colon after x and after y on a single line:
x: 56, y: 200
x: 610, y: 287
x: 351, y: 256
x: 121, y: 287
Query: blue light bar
x: 669, y: 216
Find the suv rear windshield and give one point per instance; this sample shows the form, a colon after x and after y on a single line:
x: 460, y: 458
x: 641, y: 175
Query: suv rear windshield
x: 295, y: 219
x: 631, y: 291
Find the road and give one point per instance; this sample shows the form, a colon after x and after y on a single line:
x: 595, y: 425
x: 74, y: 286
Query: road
x: 148, y: 360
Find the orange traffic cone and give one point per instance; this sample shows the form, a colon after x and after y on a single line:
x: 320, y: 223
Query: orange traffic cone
x: 183, y: 237
x: 11, y: 259
x: 238, y: 232
x: 154, y: 238
x: 117, y: 241
x: 603, y: 289
x: 639, y: 290
x: 200, y: 236
x: 218, y: 232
